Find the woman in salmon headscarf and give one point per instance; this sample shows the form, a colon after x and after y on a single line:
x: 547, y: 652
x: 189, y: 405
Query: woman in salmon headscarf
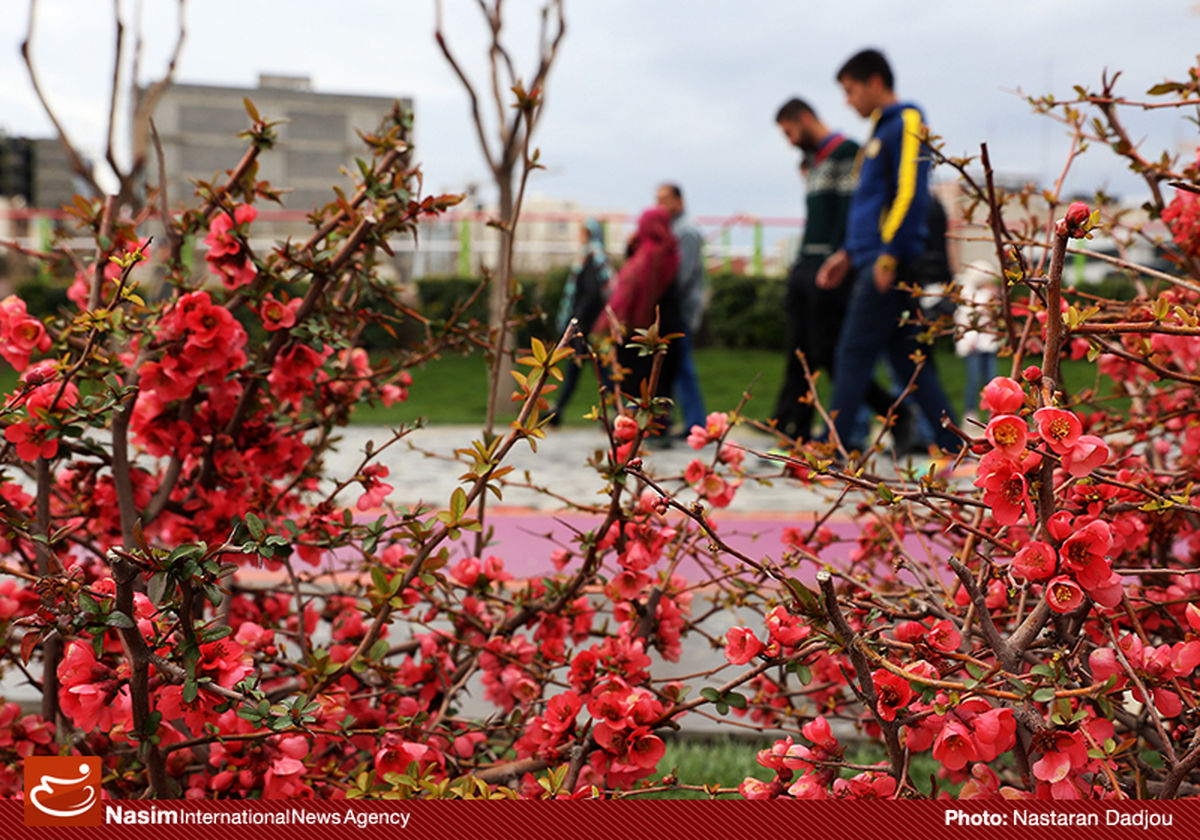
x: 643, y: 290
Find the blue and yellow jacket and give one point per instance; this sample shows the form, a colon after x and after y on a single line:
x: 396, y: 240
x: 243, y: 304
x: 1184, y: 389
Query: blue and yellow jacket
x: 887, y: 214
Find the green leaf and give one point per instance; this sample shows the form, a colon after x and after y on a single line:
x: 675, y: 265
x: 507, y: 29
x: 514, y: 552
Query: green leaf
x: 1164, y: 88
x: 89, y: 604
x: 805, y: 596
x: 255, y: 525
x: 191, y: 690
x: 458, y: 504
x: 212, y: 634
x: 804, y: 673
x: 119, y: 619
x: 1043, y: 695
x: 710, y: 694
x: 736, y: 700
x: 379, y: 578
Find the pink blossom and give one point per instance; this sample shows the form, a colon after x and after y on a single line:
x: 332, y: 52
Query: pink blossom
x: 1037, y: 561
x: 741, y: 645
x: 1059, y: 429
x: 1088, y: 453
x: 1063, y: 594
x: 1008, y: 433
x: 1002, y: 396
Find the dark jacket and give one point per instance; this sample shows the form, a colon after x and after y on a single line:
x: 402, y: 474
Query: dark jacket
x: 887, y: 215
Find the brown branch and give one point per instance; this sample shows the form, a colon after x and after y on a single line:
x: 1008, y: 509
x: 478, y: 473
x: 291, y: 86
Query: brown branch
x: 118, y: 55
x: 850, y: 642
x: 996, y: 223
x: 148, y: 101
x: 78, y: 166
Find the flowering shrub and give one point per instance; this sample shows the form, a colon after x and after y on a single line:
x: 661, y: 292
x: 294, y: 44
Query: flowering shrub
x: 1025, y: 615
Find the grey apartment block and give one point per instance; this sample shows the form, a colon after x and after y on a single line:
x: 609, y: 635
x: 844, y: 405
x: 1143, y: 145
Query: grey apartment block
x: 38, y: 171
x: 199, y: 127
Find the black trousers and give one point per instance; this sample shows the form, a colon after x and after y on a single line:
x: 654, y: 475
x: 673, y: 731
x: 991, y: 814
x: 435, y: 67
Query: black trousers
x: 814, y: 322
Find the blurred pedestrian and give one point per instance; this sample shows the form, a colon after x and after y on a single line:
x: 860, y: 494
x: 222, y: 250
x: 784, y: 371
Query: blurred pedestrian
x: 689, y: 292
x: 583, y: 298
x: 813, y: 315
x: 886, y: 233
x: 642, y: 292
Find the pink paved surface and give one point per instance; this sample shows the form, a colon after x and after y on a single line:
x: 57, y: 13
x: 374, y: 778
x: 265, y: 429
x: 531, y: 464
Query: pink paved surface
x: 524, y: 539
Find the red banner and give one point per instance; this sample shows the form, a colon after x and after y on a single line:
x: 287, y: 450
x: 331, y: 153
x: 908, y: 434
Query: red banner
x: 608, y: 820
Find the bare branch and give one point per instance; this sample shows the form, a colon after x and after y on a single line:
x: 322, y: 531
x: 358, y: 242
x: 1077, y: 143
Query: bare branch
x: 119, y: 54
x: 78, y: 166
x: 148, y: 101
x: 476, y: 117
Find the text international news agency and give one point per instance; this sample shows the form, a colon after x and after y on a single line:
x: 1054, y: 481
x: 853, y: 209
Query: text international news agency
x: 1129, y: 819
x: 118, y: 815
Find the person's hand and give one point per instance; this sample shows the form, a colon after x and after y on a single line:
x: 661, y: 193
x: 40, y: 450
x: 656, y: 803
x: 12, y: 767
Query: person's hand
x: 885, y: 275
x: 833, y: 271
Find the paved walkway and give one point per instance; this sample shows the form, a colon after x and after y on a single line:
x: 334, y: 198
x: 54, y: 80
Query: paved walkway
x: 560, y: 463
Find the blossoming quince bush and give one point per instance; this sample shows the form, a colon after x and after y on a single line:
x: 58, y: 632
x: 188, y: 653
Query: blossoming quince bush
x: 1026, y: 617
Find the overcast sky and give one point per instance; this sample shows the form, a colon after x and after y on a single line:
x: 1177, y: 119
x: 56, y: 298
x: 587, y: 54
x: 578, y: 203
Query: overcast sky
x: 643, y: 91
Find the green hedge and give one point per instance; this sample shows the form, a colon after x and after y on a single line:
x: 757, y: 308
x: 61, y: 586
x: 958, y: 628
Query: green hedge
x: 743, y: 312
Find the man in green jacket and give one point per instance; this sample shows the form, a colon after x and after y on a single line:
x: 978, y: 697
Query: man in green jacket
x: 815, y: 315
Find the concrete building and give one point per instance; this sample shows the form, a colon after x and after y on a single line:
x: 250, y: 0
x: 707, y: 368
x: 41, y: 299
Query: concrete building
x: 37, y: 171
x: 199, y: 127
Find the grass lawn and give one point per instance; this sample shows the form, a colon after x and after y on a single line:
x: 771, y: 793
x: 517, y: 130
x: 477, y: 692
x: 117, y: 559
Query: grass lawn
x: 454, y: 389
x: 726, y: 762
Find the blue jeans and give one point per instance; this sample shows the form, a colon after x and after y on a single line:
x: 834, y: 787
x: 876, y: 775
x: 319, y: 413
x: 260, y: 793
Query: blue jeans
x: 687, y: 386
x: 981, y: 368
x: 872, y: 328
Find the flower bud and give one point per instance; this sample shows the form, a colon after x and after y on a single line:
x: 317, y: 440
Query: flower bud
x: 1032, y: 374
x: 1076, y: 223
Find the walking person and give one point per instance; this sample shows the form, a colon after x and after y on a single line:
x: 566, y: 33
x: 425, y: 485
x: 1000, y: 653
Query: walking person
x: 815, y: 315
x: 885, y: 237
x: 583, y: 298
x: 643, y: 291
x: 689, y: 295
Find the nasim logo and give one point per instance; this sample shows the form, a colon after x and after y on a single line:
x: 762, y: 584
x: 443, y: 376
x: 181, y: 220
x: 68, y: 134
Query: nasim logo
x: 62, y: 790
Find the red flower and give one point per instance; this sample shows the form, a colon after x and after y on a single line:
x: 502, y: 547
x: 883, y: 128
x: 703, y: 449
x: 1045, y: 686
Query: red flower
x: 625, y: 429
x: 1065, y: 752
x: 228, y: 659
x: 1088, y: 453
x: 954, y: 746
x: 1085, y: 554
x: 786, y: 629
x: 1063, y: 594
x: 1002, y: 396
x: 1008, y: 433
x: 1182, y: 216
x: 752, y: 788
x: 20, y: 333
x: 277, y: 315
x: 944, y: 637
x: 1060, y: 429
x: 892, y: 691
x: 31, y: 441
x: 1037, y: 561
x: 561, y: 711
x: 1076, y: 223
x: 741, y: 645
x: 1005, y: 489
x: 225, y: 255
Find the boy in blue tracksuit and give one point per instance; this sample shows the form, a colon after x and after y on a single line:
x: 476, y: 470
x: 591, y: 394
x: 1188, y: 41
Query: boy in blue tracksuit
x: 885, y: 238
